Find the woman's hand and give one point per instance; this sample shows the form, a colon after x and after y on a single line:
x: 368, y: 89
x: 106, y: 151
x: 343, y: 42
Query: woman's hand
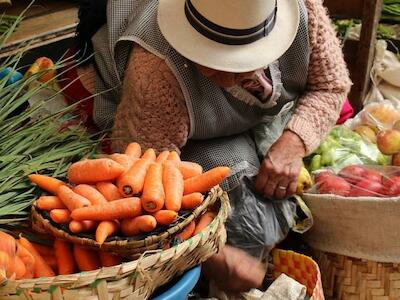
x: 235, y: 271
x: 277, y: 178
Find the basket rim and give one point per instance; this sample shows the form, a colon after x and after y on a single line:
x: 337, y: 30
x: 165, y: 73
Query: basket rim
x: 362, y: 198
x: 127, y: 268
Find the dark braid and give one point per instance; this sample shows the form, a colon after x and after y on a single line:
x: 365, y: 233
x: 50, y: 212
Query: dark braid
x: 92, y: 15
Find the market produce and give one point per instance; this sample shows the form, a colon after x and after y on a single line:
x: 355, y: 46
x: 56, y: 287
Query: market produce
x: 396, y: 159
x: 388, y: 141
x: 391, y: 11
x: 359, y: 181
x: 90, y: 203
x: 304, y: 182
x: 366, y: 132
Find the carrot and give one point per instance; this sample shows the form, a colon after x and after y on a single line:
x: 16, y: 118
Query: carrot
x: 187, y: 232
x: 133, y: 150
x: 52, y: 262
x: 4, y: 266
x: 49, y: 184
x: 90, y: 193
x: 49, y: 203
x: 204, y: 182
x: 132, y: 181
x: 42, y: 269
x: 109, y: 191
x: 174, y: 156
x: 94, y: 170
x: 43, y: 250
x: 82, y: 226
x: 189, y: 169
x: 123, y: 159
x: 60, y: 216
x: 204, y: 221
x: 162, y: 157
x: 28, y: 259
x: 191, y: 201
x: 149, y: 154
x: 109, y: 259
x: 118, y: 209
x: 20, y: 268
x: 165, y: 217
x: 153, y: 191
x: 173, y: 185
x: 134, y: 226
x: 71, y: 199
x: 105, y: 229
x: 64, y: 257
x: 87, y: 260
x: 8, y: 244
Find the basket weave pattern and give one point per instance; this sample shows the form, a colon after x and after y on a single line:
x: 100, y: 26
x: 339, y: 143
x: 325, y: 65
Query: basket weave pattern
x: 347, y: 278
x: 134, y: 280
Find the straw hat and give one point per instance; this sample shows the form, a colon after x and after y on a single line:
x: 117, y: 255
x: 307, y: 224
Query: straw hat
x: 229, y: 35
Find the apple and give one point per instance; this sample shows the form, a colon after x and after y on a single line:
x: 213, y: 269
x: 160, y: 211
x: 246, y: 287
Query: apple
x: 373, y: 175
x: 396, y: 159
x: 353, y: 174
x: 388, y: 141
x: 393, y: 186
x: 368, y: 188
x: 331, y: 184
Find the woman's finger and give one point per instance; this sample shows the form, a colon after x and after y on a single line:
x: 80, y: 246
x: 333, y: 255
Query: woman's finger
x: 291, y: 189
x: 262, y: 177
x: 282, y: 188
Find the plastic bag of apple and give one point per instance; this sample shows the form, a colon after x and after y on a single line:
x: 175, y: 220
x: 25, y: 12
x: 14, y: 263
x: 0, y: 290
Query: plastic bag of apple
x: 359, y: 181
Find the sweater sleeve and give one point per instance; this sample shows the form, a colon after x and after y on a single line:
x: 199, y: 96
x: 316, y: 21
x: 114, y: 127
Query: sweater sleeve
x: 152, y: 110
x: 328, y: 81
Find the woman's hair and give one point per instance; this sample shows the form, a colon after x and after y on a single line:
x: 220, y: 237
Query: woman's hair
x: 92, y: 15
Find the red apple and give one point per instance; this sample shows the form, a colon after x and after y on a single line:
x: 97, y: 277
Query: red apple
x: 353, y: 174
x: 334, y: 185
x: 368, y: 188
x: 393, y: 186
x: 322, y: 175
x: 373, y: 175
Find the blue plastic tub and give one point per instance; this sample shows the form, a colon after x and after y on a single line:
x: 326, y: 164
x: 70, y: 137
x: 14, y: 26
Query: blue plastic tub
x: 180, y: 287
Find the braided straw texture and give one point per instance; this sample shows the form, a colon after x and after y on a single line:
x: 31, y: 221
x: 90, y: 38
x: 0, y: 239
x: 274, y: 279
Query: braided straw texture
x: 133, y: 280
x: 125, y: 247
x: 301, y: 268
x: 347, y: 278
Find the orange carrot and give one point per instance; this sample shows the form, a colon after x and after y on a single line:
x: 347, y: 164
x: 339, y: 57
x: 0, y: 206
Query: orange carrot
x: 191, y: 201
x: 49, y: 184
x: 71, y: 199
x: 90, y: 193
x: 42, y: 269
x: 165, y: 217
x: 162, y: 157
x: 123, y: 159
x: 134, y: 226
x: 204, y: 182
x: 8, y: 244
x: 173, y: 186
x: 52, y: 262
x: 43, y: 249
x: 87, y: 260
x: 105, y: 229
x: 109, y: 259
x: 153, y: 191
x: 204, y: 221
x: 187, y: 232
x: 133, y: 150
x: 118, y: 209
x: 174, y: 156
x: 109, y: 191
x: 49, y: 203
x: 28, y: 259
x: 4, y: 266
x: 82, y: 226
x: 60, y: 216
x: 189, y: 169
x: 64, y: 257
x: 132, y: 181
x: 20, y: 268
x: 149, y: 154
x: 94, y: 170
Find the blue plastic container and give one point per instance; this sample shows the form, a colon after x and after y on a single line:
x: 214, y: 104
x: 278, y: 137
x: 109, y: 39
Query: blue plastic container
x: 180, y: 287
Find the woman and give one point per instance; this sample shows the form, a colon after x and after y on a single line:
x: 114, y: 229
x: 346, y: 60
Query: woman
x: 254, y: 85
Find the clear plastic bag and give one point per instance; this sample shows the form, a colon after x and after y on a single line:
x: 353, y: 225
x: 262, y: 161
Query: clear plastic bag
x: 359, y: 181
x: 344, y: 147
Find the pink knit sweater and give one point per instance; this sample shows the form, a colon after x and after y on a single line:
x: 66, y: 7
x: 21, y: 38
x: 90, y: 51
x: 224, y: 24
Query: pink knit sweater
x: 149, y: 84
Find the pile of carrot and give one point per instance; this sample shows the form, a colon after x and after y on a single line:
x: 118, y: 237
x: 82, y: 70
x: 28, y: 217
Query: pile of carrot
x: 22, y: 259
x: 128, y: 193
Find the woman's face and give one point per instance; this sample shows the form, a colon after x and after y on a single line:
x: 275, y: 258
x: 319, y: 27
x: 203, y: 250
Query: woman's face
x: 221, y: 78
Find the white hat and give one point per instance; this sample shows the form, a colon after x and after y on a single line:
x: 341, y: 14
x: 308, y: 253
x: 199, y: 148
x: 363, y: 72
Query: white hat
x: 229, y: 35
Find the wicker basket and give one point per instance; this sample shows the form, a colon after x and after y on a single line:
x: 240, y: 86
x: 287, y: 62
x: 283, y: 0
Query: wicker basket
x: 301, y: 268
x: 134, y: 280
x: 346, y: 278
x: 123, y: 246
